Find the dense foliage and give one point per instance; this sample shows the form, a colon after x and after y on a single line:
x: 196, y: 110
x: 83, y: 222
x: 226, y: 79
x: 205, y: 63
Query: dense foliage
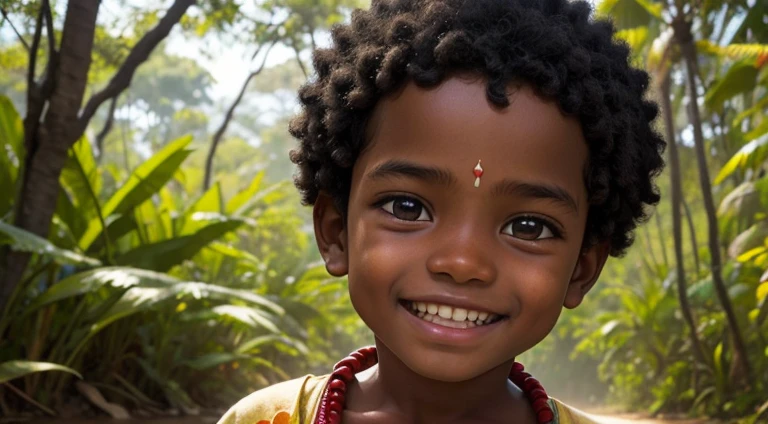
x: 161, y: 294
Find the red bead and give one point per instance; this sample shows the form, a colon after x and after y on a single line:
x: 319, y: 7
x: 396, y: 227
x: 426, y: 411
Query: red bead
x: 335, y: 406
x: 540, y: 405
x: 334, y: 417
x: 529, y: 384
x: 338, y: 385
x: 538, y: 393
x: 344, y: 373
x: 518, y: 367
x: 545, y: 416
x: 359, y: 356
x: 337, y: 396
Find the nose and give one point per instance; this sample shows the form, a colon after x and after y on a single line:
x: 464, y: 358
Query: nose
x: 464, y: 256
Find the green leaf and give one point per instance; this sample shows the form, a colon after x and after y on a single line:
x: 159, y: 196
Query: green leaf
x: 249, y: 316
x: 81, y: 179
x: 139, y: 299
x: 145, y: 181
x: 90, y: 281
x: 751, y: 154
x: 11, y: 151
x: 210, y: 201
x: 164, y: 255
x: 213, y: 360
x: 15, y: 369
x: 242, y: 197
x: 24, y: 241
x: 741, y: 77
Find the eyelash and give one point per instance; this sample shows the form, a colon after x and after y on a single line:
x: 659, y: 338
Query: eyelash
x: 554, y: 229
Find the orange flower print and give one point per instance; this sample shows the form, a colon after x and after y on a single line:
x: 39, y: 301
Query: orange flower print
x: 282, y: 417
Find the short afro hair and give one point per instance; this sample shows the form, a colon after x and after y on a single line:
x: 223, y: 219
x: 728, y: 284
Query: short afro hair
x: 552, y: 45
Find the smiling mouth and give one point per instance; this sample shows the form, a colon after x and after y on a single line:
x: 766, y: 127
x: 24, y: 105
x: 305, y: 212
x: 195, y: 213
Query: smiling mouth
x: 449, y: 316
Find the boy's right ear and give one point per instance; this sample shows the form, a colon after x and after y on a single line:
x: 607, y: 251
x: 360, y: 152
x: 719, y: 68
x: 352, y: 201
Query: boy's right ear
x: 331, y: 235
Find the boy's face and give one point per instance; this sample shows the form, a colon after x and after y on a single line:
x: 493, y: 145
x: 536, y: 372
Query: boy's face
x: 506, y: 255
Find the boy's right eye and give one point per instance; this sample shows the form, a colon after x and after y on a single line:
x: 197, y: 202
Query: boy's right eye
x: 406, y: 209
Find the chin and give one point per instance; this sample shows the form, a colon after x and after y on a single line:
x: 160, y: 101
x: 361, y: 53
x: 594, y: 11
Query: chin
x: 445, y: 367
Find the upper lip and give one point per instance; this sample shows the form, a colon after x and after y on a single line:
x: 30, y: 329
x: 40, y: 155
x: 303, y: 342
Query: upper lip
x: 453, y: 301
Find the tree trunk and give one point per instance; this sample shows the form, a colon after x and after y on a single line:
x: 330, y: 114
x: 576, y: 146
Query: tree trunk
x: 63, y: 89
x: 677, y: 225
x: 692, y: 231
x: 688, y: 48
x: 47, y: 146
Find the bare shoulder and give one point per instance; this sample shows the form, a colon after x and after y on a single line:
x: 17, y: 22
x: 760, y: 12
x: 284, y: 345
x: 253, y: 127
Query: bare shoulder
x: 289, y: 400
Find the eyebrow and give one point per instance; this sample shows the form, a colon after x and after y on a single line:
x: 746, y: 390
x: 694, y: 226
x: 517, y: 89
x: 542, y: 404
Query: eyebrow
x: 398, y: 168
x: 441, y: 176
x: 536, y: 191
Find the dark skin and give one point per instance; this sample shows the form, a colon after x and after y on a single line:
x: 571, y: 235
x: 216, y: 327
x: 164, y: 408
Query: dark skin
x: 417, y: 229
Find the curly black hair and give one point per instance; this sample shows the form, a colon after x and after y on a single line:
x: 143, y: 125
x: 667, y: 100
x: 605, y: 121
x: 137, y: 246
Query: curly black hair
x: 552, y: 45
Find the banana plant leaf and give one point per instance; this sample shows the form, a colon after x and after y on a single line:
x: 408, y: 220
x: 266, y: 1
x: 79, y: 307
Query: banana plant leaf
x: 24, y: 241
x: 15, y: 369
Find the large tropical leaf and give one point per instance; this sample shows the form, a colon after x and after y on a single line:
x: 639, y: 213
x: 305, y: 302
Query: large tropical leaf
x: 139, y: 299
x: 81, y: 179
x: 15, y: 369
x: 164, y: 255
x: 751, y: 155
x: 239, y: 199
x: 24, y: 241
x: 740, y: 77
x: 251, y: 317
x: 143, y: 289
x: 90, y: 281
x: 210, y: 201
x: 11, y: 140
x: 733, y: 51
x: 146, y: 180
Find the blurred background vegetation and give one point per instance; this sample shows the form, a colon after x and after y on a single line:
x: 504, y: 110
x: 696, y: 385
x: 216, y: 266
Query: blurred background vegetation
x: 154, y: 256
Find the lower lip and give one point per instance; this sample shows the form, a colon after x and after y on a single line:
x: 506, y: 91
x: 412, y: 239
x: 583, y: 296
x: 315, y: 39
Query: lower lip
x: 448, y: 335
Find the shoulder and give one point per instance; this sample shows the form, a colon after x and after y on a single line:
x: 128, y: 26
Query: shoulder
x: 565, y: 414
x: 291, y: 402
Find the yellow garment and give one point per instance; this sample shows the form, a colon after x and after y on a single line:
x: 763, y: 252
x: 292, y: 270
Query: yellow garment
x: 296, y: 402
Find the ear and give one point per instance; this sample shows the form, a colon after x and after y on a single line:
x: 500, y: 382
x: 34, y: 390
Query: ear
x: 331, y: 235
x: 588, y: 268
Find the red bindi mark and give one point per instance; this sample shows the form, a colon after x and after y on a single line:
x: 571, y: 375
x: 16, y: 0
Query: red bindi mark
x: 478, y: 171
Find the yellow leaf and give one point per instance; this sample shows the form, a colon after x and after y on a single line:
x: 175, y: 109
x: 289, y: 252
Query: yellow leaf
x: 762, y: 291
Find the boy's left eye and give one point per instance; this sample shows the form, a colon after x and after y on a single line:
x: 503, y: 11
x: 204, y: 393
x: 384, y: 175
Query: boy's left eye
x: 529, y: 228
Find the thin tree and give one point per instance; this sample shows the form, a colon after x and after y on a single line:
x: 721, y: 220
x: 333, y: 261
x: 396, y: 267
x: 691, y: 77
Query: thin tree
x: 677, y: 225
x: 684, y: 38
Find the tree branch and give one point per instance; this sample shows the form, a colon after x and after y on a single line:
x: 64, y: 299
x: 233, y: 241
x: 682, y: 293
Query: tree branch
x: 107, y: 128
x: 46, y: 87
x: 228, y: 118
x: 298, y: 59
x: 33, y: 50
x: 138, y: 55
x: 21, y: 39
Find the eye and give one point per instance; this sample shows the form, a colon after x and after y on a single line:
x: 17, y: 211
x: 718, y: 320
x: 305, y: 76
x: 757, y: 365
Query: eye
x: 406, y: 208
x: 530, y: 228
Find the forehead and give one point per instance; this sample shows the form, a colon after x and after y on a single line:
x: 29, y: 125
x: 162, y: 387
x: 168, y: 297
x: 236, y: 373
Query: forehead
x: 454, y: 125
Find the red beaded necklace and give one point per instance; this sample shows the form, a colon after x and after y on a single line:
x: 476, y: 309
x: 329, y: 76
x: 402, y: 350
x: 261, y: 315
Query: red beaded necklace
x: 334, y: 396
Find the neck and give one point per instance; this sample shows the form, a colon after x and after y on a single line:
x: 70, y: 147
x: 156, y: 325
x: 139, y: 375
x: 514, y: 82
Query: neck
x: 394, y: 388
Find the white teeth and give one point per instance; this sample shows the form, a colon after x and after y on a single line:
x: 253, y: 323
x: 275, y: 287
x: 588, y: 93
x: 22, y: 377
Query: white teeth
x: 472, y: 315
x: 459, y: 314
x: 445, y: 311
x: 451, y: 317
